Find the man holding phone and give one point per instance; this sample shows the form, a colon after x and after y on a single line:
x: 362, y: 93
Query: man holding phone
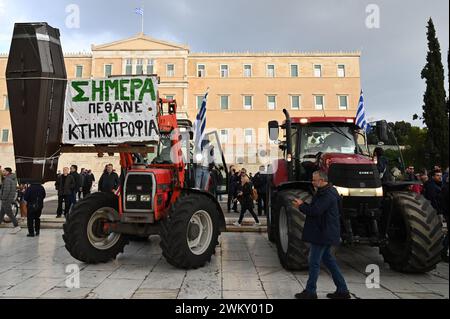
x: 322, y: 231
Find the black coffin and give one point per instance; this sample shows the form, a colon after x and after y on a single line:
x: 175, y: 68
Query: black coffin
x: 36, y: 81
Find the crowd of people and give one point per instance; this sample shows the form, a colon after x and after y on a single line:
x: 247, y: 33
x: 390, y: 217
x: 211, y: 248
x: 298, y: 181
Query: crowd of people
x: 247, y: 189
x: 71, y: 186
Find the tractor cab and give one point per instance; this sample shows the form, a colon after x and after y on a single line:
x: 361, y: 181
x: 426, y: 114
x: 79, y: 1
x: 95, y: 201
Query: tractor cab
x: 319, y: 143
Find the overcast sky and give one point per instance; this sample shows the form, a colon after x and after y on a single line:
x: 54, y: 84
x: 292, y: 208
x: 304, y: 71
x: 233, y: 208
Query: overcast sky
x: 392, y: 55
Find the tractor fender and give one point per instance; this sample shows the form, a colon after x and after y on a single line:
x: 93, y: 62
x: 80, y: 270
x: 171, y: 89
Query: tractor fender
x: 398, y: 186
x: 303, y: 185
x: 222, y: 223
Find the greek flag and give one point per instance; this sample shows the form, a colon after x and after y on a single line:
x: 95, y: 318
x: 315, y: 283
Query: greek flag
x: 361, y: 114
x: 139, y: 11
x: 200, y: 125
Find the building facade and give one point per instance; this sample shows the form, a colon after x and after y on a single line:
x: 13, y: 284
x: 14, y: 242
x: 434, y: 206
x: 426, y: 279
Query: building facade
x: 246, y: 90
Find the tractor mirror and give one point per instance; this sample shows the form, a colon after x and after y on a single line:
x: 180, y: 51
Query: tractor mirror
x: 274, y: 130
x: 382, y: 131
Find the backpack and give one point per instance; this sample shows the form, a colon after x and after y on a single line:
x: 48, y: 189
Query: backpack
x: 254, y: 194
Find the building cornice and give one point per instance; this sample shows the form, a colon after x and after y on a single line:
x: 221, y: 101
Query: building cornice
x: 317, y: 54
x: 276, y: 54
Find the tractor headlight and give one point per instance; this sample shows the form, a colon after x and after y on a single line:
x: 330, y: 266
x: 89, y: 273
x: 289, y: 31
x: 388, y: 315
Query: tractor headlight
x: 343, y: 191
x: 131, y: 198
x: 379, y: 192
x: 145, y: 198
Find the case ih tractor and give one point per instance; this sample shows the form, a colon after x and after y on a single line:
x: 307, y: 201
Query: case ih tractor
x: 387, y: 215
x: 156, y: 194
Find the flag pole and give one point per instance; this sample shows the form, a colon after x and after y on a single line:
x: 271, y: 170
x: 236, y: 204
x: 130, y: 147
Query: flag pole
x: 142, y: 18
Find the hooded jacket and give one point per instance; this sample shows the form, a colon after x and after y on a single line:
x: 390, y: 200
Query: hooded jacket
x: 322, y: 225
x: 8, y: 192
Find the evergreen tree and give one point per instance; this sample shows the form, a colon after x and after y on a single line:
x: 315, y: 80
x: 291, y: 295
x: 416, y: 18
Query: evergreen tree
x: 435, y: 113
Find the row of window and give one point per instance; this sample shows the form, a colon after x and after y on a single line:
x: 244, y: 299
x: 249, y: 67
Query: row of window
x: 224, y: 136
x: 270, y: 70
x: 295, y: 101
x: 147, y: 67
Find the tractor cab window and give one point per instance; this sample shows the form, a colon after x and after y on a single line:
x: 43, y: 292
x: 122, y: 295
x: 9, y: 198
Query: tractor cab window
x: 362, y: 142
x: 164, y: 151
x: 330, y: 139
x: 219, y: 172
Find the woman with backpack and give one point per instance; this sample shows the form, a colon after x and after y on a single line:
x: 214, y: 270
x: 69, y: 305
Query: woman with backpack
x: 34, y: 197
x: 246, y: 196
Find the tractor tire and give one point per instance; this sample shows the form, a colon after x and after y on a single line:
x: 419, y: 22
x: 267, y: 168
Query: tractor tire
x: 415, y: 237
x: 292, y: 251
x: 189, y: 235
x: 83, y: 233
x: 268, y: 210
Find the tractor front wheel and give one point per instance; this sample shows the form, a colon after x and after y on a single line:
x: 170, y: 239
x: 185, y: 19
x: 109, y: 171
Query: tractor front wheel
x: 189, y: 234
x: 84, y: 231
x: 292, y: 251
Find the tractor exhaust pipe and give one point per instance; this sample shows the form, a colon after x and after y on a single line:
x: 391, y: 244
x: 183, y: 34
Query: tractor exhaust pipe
x: 289, y: 144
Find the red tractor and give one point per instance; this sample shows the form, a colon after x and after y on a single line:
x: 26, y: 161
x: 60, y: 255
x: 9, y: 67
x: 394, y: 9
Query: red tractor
x: 387, y: 215
x: 155, y: 198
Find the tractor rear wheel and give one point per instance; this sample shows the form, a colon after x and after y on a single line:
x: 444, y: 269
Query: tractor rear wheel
x: 84, y: 233
x: 271, y: 225
x: 292, y: 251
x: 189, y: 234
x: 415, y: 237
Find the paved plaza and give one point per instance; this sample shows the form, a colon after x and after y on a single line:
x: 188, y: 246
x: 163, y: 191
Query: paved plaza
x: 245, y: 266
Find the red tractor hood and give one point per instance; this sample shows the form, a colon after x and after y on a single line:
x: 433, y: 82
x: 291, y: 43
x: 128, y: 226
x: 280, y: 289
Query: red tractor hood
x: 338, y: 158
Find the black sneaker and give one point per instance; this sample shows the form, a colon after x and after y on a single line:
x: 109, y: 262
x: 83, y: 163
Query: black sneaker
x: 305, y: 295
x: 30, y: 235
x: 339, y: 295
x: 37, y: 234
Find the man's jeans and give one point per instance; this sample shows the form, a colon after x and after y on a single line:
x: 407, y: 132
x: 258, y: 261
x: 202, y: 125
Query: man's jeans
x: 320, y: 253
x: 201, y: 178
x: 6, y: 209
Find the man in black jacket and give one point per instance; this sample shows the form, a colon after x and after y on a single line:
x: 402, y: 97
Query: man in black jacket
x: 231, y: 187
x: 65, y: 185
x: 259, y: 183
x: 109, y: 182
x: 432, y: 189
x: 89, y: 179
x: 77, y: 179
x: 322, y: 231
x: 34, y: 197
